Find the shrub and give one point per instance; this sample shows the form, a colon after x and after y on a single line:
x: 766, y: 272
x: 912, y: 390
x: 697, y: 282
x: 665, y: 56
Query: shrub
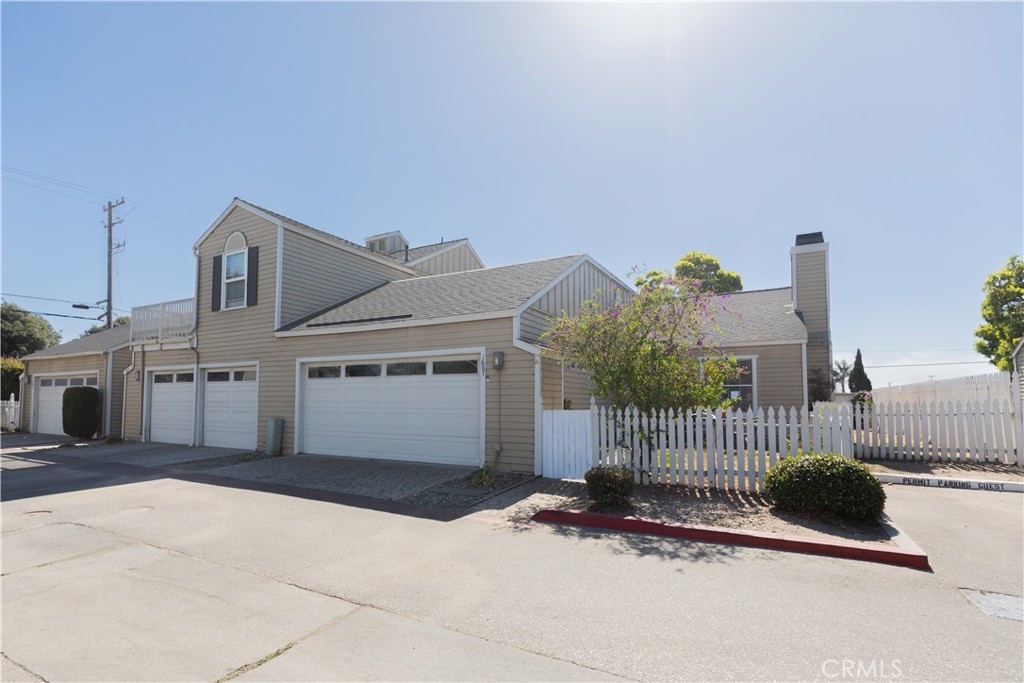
x: 81, y: 411
x: 10, y: 377
x: 862, y: 397
x: 825, y: 483
x: 484, y: 476
x: 609, y: 486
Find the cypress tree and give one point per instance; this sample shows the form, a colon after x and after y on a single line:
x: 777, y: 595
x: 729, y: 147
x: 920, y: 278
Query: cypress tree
x: 858, y: 378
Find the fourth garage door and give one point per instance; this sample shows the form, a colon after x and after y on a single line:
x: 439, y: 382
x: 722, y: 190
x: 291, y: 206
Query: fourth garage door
x: 419, y: 410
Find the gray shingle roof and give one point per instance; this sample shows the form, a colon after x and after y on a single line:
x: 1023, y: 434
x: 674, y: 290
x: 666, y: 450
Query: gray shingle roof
x: 397, y: 258
x: 762, y: 315
x: 437, y: 296
x: 94, y: 343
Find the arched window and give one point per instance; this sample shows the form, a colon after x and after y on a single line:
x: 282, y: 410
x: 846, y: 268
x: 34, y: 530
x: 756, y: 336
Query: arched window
x: 234, y: 271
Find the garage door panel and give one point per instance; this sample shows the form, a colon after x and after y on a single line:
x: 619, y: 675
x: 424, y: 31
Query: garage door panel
x: 230, y: 409
x: 170, y: 410
x: 416, y: 418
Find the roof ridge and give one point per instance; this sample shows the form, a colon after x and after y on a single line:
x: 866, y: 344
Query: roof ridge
x: 437, y: 244
x: 419, y: 278
x: 753, y: 291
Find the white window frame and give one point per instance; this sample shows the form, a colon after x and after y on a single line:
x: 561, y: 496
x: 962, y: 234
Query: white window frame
x: 753, y: 378
x: 244, y: 251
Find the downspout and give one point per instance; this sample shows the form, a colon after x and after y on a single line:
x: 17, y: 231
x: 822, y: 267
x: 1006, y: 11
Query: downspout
x: 22, y: 383
x: 108, y: 382
x: 124, y: 390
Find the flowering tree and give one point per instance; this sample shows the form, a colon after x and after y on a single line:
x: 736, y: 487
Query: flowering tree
x: 651, y: 350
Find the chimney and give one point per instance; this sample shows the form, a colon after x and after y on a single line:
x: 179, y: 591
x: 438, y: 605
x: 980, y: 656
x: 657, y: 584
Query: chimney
x: 809, y: 257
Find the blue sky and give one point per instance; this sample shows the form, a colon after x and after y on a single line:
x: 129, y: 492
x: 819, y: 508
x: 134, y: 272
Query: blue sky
x: 632, y: 132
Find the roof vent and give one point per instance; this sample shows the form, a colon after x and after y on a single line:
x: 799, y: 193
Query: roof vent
x: 809, y: 238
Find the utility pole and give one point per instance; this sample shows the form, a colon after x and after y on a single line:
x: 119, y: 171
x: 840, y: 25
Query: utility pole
x: 109, y: 208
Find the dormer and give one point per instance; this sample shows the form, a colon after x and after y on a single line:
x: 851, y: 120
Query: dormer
x: 388, y: 243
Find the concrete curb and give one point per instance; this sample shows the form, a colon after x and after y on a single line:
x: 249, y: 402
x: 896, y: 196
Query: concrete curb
x: 951, y: 482
x: 870, y: 552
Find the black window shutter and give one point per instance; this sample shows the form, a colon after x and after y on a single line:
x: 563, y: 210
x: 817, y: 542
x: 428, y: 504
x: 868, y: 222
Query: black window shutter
x: 217, y: 270
x: 252, y: 275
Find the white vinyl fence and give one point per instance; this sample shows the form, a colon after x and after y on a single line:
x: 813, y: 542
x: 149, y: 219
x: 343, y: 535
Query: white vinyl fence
x: 994, y: 386
x: 9, y: 414
x: 733, y: 449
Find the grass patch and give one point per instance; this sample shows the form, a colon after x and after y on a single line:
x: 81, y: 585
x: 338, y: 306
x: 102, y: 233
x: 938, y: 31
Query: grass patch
x: 67, y: 444
x: 111, y: 440
x: 484, y: 476
x: 252, y: 665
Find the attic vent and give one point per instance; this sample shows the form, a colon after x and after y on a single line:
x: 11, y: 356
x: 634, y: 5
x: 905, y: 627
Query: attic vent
x: 380, y: 245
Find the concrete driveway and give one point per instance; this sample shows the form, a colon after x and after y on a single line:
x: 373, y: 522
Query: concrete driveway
x: 165, y: 578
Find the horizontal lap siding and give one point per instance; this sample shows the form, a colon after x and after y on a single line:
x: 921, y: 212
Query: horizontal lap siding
x: 455, y: 261
x: 812, y: 301
x: 144, y: 361
x: 122, y: 359
x: 317, y: 275
x: 71, y: 366
x: 779, y: 373
x: 577, y: 387
x: 551, y: 384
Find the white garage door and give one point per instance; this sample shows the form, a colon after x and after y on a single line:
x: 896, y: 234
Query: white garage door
x: 230, y: 408
x: 51, y: 401
x: 170, y: 407
x: 422, y: 410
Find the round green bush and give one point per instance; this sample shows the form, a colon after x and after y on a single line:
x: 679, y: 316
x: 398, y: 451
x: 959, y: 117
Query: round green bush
x: 81, y: 412
x: 825, y: 483
x: 609, y: 486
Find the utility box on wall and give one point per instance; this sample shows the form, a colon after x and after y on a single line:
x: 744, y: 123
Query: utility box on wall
x: 275, y: 426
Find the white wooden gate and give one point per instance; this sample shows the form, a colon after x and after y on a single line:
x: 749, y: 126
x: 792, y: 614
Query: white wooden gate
x: 568, y: 443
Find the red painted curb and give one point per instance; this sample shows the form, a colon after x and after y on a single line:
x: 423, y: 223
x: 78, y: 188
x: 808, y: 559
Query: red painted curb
x: 870, y: 552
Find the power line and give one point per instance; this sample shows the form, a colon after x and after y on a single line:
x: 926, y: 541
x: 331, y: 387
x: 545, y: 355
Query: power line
x: 56, y: 181
x: 49, y: 189
x: 924, y: 365
x: 46, y: 298
x: 62, y: 315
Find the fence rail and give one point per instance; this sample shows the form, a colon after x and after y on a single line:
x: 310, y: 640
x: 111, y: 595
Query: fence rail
x: 733, y: 449
x: 994, y: 386
x: 10, y: 414
x: 165, y: 320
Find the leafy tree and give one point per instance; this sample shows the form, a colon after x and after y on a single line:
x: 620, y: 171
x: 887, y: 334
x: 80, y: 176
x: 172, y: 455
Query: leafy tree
x: 10, y: 372
x: 840, y: 373
x: 118, y: 321
x: 24, y: 332
x: 652, y: 277
x: 705, y: 268
x: 1003, y: 312
x: 858, y: 378
x: 819, y: 388
x: 650, y: 350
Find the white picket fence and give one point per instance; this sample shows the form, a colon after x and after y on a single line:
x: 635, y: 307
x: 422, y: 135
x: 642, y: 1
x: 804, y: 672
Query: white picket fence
x: 733, y: 449
x: 10, y: 413
x: 994, y: 386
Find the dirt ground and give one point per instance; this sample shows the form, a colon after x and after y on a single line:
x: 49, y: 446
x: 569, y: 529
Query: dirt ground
x: 680, y: 505
x: 964, y: 470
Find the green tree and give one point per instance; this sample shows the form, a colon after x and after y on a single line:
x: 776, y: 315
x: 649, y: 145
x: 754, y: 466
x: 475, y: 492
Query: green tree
x: 118, y: 322
x: 705, y: 268
x: 650, y: 350
x: 840, y: 373
x: 1002, y: 309
x: 10, y: 374
x: 24, y: 332
x: 858, y: 378
x: 651, y: 277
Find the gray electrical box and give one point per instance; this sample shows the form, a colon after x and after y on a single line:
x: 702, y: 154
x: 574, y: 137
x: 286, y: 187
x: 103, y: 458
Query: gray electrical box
x: 275, y: 425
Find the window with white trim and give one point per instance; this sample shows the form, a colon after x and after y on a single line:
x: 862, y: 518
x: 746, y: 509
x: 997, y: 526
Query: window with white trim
x: 235, y: 266
x: 740, y: 390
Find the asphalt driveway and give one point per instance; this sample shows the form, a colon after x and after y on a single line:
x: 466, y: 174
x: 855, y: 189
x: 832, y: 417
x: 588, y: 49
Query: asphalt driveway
x: 166, y: 578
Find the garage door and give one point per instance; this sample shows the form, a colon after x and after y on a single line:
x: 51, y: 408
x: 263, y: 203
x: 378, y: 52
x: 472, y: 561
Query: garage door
x: 422, y: 410
x: 170, y: 407
x: 50, y: 419
x: 230, y: 405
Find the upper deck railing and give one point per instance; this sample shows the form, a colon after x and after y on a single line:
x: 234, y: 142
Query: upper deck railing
x: 164, y: 321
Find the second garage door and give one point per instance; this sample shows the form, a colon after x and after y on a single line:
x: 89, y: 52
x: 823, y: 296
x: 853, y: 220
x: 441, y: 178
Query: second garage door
x: 170, y: 407
x: 230, y: 408
x: 50, y: 419
x: 421, y: 410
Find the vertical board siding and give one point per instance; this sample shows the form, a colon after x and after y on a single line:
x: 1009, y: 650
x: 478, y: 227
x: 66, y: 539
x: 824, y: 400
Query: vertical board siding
x: 995, y: 386
x: 583, y: 284
x: 454, y: 260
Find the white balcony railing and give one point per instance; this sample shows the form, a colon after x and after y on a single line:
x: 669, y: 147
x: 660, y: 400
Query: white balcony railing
x: 164, y: 321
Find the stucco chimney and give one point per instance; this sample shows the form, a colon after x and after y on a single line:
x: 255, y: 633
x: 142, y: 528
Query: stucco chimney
x: 809, y: 258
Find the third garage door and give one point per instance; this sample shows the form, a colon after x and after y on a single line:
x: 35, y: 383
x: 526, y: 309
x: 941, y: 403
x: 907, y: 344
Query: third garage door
x: 420, y: 410
x: 230, y: 408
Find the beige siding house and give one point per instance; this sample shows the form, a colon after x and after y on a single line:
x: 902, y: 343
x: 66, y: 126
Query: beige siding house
x: 96, y: 360
x: 391, y: 351
x: 379, y: 350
